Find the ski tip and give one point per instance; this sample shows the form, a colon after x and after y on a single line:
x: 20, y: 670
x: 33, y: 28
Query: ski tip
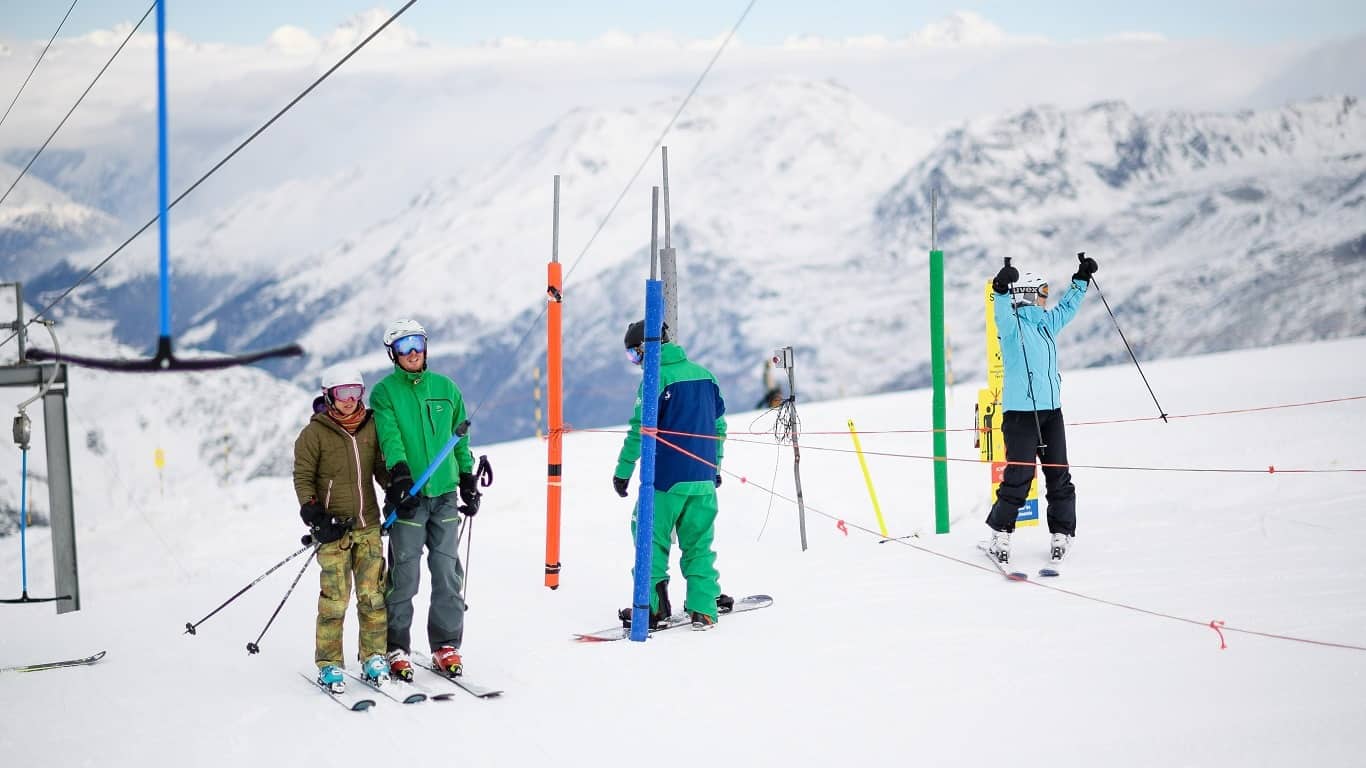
x: 362, y: 705
x: 414, y: 698
x: 1017, y: 576
x: 1048, y: 572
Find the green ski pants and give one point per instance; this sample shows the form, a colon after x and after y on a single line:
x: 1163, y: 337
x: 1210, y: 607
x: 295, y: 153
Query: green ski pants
x: 688, y: 509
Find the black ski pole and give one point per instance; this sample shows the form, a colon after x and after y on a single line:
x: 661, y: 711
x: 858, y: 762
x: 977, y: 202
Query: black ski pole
x: 484, y: 476
x: 1019, y: 331
x: 1081, y: 257
x: 190, y: 628
x: 469, y: 545
x: 254, y: 647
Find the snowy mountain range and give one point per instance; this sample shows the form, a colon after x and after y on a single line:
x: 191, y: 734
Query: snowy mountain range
x: 801, y: 216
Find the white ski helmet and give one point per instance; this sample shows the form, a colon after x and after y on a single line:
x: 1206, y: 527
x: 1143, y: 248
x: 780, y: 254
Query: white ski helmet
x: 1028, y: 288
x: 400, y: 328
x: 339, y: 377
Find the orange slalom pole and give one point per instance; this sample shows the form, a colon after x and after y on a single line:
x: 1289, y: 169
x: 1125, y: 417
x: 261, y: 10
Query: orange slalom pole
x: 554, y: 406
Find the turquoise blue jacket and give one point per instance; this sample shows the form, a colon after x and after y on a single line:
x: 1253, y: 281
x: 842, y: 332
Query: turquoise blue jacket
x: 1040, y: 328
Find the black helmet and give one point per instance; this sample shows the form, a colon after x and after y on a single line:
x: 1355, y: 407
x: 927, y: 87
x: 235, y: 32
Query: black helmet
x: 635, y: 334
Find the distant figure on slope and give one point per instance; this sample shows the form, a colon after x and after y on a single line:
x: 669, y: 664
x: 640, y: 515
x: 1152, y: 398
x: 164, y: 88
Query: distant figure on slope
x: 1032, y: 424
x: 691, y: 410
x: 773, y: 394
x: 336, y: 463
x: 416, y: 413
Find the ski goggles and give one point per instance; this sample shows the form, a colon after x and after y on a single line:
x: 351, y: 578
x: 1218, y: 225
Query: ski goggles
x: 347, y: 392
x: 636, y: 355
x: 409, y: 344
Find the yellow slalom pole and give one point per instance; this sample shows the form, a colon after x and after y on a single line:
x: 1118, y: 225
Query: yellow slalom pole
x: 867, y: 478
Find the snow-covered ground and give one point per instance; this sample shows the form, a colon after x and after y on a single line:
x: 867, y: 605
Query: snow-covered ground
x: 899, y: 653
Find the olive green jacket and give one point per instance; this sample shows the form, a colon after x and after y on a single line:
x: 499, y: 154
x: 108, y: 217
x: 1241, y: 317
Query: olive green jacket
x: 340, y: 469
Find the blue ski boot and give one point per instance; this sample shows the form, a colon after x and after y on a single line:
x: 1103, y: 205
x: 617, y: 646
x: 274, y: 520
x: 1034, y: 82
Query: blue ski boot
x: 330, y: 677
x: 376, y: 669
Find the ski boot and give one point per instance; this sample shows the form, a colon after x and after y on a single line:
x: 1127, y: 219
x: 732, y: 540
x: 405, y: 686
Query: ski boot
x: 399, y: 666
x: 447, y: 660
x: 1059, y: 548
x: 701, y: 621
x: 330, y: 678
x: 999, y: 547
x: 376, y: 669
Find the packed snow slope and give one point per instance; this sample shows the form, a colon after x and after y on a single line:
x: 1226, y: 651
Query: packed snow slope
x: 913, y: 651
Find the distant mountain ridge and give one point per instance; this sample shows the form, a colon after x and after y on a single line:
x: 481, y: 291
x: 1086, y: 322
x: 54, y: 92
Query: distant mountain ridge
x: 802, y: 216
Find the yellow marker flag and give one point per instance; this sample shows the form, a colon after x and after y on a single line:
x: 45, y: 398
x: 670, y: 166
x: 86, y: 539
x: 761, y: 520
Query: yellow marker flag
x: 868, y: 478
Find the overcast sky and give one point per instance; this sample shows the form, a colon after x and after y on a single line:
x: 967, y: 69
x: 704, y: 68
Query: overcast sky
x: 771, y: 21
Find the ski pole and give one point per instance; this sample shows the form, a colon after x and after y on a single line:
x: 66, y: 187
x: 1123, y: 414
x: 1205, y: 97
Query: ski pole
x: 190, y: 628
x: 461, y: 429
x: 1019, y: 331
x: 469, y: 545
x: 254, y: 647
x: 1081, y: 257
x: 484, y: 476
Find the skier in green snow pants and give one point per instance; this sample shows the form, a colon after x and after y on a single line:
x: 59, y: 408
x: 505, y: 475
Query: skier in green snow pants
x: 691, y: 409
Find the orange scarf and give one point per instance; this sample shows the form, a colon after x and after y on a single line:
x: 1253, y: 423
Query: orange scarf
x: 349, y: 423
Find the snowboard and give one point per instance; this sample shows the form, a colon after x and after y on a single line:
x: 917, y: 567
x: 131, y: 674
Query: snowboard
x: 751, y: 603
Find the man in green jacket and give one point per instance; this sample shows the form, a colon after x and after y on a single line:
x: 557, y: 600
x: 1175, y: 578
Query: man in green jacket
x: 687, y: 473
x: 416, y: 413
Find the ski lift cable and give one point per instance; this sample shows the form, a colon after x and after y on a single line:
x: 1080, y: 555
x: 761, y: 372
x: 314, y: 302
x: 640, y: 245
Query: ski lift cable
x: 617, y: 203
x: 164, y: 354
x: 15, y: 100
x: 53, y: 135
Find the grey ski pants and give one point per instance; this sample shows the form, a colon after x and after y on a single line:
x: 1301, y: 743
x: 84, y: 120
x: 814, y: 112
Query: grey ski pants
x: 436, y: 525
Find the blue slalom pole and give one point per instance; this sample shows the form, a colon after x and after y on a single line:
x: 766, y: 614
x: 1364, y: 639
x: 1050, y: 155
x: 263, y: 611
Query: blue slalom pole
x: 649, y: 419
x: 162, y: 175
x: 460, y: 431
x: 23, y: 523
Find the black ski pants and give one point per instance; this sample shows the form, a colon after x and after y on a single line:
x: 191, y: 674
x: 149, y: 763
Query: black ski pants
x: 1022, y: 446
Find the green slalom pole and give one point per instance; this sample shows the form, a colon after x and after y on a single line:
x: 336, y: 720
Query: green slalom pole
x: 940, y: 405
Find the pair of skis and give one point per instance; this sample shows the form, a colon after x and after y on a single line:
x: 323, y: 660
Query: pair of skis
x: 403, y: 692
x: 1049, y: 571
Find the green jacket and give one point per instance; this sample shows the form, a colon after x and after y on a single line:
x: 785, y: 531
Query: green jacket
x: 340, y: 469
x: 415, y: 414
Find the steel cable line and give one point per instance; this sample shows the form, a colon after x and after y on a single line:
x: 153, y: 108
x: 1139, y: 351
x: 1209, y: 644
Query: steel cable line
x: 39, y: 61
x: 52, y: 135
x: 610, y: 211
x: 214, y: 169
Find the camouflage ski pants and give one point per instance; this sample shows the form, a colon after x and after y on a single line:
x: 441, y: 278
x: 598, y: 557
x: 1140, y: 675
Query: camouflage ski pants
x: 358, y: 556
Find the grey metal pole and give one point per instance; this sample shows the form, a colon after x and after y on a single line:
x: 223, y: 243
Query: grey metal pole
x: 654, y: 233
x: 668, y: 262
x: 63, y: 515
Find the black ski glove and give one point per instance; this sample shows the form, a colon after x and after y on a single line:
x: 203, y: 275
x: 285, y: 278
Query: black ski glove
x: 329, y: 529
x: 620, y: 483
x: 469, y: 495
x: 1007, y: 275
x: 396, y: 496
x: 312, y: 513
x: 718, y: 480
x: 1086, y: 268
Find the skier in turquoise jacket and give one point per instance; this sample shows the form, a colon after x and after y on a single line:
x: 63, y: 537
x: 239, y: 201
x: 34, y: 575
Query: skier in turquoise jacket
x: 1032, y: 422
x: 691, y: 410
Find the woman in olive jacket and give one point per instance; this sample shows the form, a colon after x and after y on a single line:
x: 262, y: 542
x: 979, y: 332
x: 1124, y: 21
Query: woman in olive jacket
x: 337, y: 460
